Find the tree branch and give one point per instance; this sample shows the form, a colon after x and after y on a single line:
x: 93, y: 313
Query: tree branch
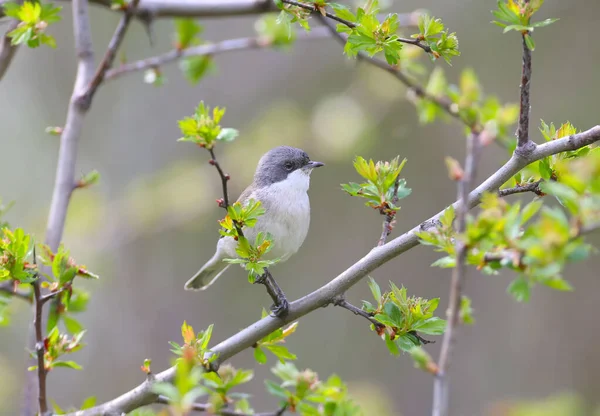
x: 224, y: 179
x: 343, y: 303
x: 9, y: 287
x: 230, y: 45
x: 201, y: 407
x: 524, y: 144
x: 7, y: 51
x: 528, y: 187
x: 109, y: 56
x: 440, y: 388
x: 143, y: 395
x: 322, y: 13
x: 39, y: 348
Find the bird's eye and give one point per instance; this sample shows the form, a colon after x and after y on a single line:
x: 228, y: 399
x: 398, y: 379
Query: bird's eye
x: 288, y: 165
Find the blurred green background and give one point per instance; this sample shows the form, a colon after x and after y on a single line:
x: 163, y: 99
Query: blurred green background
x: 152, y: 221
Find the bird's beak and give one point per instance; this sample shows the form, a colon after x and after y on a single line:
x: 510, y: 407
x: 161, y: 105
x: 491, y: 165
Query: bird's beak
x: 312, y: 164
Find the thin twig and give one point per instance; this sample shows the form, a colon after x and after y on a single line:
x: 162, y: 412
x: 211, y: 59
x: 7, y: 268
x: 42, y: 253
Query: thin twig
x: 110, y: 54
x: 524, y: 144
x: 315, y: 9
x: 7, y: 50
x: 343, y: 303
x: 224, y: 179
x: 9, y: 287
x: 388, y: 223
x: 246, y: 338
x: 206, y: 407
x: 39, y: 347
x: 440, y: 388
x: 217, y: 48
x: 528, y: 187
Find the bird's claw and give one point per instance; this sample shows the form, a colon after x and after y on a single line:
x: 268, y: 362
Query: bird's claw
x: 281, y: 308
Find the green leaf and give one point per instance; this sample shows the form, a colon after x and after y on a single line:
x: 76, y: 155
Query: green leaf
x: 544, y: 23
x: 281, y: 352
x: 406, y: 342
x: 545, y: 169
x: 431, y: 326
x: 72, y: 325
x: 67, y: 364
x: 529, y: 42
x: 375, y: 289
x: 275, y: 389
x: 558, y: 284
x: 88, y: 403
x: 519, y: 289
x: 391, y: 345
x: 196, y: 67
x: 186, y: 32
x: 260, y: 356
x: 445, y: 262
x: 227, y: 134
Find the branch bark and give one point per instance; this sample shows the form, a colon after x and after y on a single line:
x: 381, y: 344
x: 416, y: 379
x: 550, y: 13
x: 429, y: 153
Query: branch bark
x: 229, y: 45
x: 528, y: 187
x: 524, y: 144
x: 440, y: 388
x: 39, y: 349
x: 143, y: 395
x: 7, y: 51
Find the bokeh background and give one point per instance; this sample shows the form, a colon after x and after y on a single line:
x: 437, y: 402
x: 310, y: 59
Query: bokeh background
x: 151, y: 222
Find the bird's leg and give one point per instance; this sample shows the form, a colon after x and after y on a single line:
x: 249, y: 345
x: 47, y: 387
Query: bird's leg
x: 281, y: 305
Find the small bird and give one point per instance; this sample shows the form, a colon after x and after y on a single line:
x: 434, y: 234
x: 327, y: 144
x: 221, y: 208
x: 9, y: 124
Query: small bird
x: 281, y: 182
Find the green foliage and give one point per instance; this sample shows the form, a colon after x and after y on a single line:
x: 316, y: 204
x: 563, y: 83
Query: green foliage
x: 369, y: 35
x: 292, y: 14
x: 195, y: 346
x: 534, y: 241
x: 15, y: 249
x: 303, y: 393
x: 89, y: 179
x: 55, y: 346
x: 250, y: 254
x: 67, y: 299
x: 401, y: 316
x: 465, y: 313
x: 434, y: 34
x: 203, y: 128
x: 516, y: 15
x: 423, y: 360
x: 470, y: 103
x: 196, y: 67
x: 35, y: 18
x: 275, y: 30
x: 380, y: 187
x: 186, y: 33
x: 272, y: 343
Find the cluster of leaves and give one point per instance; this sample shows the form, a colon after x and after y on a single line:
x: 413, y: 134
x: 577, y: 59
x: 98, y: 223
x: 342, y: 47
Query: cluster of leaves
x: 516, y: 15
x: 57, y: 345
x: 203, y: 128
x: 441, y: 43
x: 87, y: 403
x: 187, y: 33
x: 302, y: 392
x: 35, y: 18
x: 468, y: 99
x: 368, y: 34
x: 546, y: 168
x: 383, y: 186
x: 401, y: 316
x: 292, y: 14
x: 15, y: 250
x: 195, y: 346
x: 67, y: 298
x: 251, y: 255
x: 506, y: 235
x: 272, y: 343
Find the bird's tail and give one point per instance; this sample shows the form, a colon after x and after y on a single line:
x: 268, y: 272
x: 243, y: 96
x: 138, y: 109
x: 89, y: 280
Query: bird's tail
x: 207, y: 274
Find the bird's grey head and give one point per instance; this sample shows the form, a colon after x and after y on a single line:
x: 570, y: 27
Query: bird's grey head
x: 279, y: 163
